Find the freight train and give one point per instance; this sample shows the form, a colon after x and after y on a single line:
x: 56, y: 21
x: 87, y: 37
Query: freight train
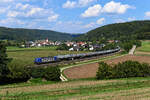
x: 59, y: 58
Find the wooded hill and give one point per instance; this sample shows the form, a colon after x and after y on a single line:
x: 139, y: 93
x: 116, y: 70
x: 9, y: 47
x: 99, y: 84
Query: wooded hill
x: 32, y: 34
x: 119, y: 31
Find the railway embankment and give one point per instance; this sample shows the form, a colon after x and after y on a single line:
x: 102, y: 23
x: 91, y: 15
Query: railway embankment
x: 88, y: 69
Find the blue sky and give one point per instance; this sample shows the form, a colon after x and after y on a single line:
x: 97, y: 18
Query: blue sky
x: 71, y: 16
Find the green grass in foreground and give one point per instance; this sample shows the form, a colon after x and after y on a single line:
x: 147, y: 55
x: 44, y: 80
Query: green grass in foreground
x: 145, y: 46
x: 77, y: 90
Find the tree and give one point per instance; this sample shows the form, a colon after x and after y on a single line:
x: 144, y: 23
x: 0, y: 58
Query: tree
x: 52, y: 74
x: 63, y: 47
x: 123, y: 70
x: 104, y: 71
x: 126, y: 46
x: 4, y: 70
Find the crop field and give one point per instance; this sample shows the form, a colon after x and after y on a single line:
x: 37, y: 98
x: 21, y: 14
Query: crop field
x: 26, y: 56
x: 89, y: 70
x: 90, y: 89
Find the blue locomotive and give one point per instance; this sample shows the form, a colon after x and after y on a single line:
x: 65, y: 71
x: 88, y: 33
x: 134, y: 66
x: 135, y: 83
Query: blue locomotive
x: 58, y: 58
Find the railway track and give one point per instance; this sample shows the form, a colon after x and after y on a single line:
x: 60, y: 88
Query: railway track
x: 67, y: 62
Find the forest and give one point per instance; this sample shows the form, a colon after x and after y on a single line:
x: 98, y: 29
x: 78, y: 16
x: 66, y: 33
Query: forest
x: 19, y: 34
x: 135, y: 30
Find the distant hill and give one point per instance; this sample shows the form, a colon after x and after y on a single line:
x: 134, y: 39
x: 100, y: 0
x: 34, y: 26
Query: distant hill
x: 119, y: 31
x: 32, y: 34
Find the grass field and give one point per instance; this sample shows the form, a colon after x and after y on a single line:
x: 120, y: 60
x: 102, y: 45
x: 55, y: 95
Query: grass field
x: 26, y: 56
x: 13, y: 48
x: 89, y: 89
x: 76, y: 89
x: 145, y: 46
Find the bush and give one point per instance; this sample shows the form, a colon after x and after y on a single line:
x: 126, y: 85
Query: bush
x: 127, y: 46
x: 127, y: 69
x: 52, y: 74
x: 18, y: 73
x: 37, y: 72
x: 123, y: 70
x: 63, y: 47
x: 104, y: 71
x: 138, y: 43
x: 145, y: 70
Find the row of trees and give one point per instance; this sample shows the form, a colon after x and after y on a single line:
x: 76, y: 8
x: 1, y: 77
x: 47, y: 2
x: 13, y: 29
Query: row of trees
x: 123, y: 70
x: 127, y: 45
x: 13, y: 73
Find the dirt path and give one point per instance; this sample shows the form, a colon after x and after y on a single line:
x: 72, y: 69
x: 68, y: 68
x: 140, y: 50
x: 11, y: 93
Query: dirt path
x: 131, y: 52
x: 89, y: 70
x: 142, y: 53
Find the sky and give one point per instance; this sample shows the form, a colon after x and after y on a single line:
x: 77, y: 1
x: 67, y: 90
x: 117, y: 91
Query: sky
x: 70, y: 16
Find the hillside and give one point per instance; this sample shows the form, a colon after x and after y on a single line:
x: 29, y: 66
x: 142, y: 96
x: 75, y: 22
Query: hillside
x: 32, y: 34
x: 119, y: 31
x: 121, y: 89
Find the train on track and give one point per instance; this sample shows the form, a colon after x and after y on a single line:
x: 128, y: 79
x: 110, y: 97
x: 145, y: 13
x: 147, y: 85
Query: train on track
x: 59, y: 58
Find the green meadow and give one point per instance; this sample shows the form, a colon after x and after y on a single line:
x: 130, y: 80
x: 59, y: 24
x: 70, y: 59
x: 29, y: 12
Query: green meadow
x: 26, y: 56
x: 89, y: 89
x: 145, y: 46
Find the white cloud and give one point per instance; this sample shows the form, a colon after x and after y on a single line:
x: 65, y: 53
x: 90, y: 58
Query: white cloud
x: 92, y: 11
x: 5, y: 1
x: 53, y: 18
x: 12, y: 14
x: 110, y: 7
x: 69, y: 4
x: 119, y: 21
x: 90, y: 25
x: 11, y: 21
x: 116, y: 7
x: 147, y: 14
x: 100, y: 21
x: 79, y: 3
x: 35, y: 11
x: 131, y: 18
x: 27, y: 11
x: 93, y: 24
x: 22, y: 7
x: 84, y: 2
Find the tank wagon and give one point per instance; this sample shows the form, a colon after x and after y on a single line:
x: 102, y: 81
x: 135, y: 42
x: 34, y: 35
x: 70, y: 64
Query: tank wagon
x: 59, y: 58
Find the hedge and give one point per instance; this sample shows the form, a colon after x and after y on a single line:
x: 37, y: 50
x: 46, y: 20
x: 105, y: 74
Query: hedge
x: 123, y: 70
